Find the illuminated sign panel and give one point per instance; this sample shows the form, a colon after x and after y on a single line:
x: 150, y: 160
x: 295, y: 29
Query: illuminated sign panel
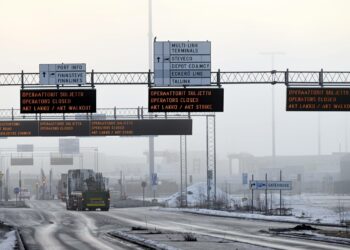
x: 318, y: 99
x: 58, y: 101
x: 186, y: 100
x: 141, y: 127
x: 18, y: 128
x: 96, y: 128
x: 64, y: 128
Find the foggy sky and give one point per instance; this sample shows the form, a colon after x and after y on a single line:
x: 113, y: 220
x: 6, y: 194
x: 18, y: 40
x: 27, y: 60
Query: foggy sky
x: 112, y: 35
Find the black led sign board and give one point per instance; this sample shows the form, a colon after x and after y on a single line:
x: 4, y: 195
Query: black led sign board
x: 186, y: 100
x: 96, y: 128
x: 141, y: 127
x: 58, y: 101
x: 318, y: 99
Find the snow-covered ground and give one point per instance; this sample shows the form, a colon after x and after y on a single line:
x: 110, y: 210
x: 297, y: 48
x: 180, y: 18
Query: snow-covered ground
x: 9, y: 242
x: 307, y: 208
x: 196, y: 194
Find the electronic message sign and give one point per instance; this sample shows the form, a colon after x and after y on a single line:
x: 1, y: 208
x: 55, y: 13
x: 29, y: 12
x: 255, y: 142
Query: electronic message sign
x: 96, y: 128
x: 63, y: 128
x: 141, y: 127
x: 58, y: 101
x: 18, y: 128
x: 318, y: 99
x: 186, y: 100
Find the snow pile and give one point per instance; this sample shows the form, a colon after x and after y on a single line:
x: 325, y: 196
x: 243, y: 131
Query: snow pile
x: 239, y: 215
x: 9, y: 242
x: 196, y: 195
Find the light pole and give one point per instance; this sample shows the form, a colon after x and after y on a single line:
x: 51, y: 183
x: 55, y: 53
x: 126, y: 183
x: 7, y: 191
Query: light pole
x: 150, y: 52
x: 273, y: 125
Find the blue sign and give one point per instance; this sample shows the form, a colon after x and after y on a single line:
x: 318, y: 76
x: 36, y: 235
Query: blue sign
x: 154, y: 179
x: 16, y: 190
x: 271, y: 185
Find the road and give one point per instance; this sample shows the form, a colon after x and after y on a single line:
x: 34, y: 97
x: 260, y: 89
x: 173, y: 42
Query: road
x: 47, y: 225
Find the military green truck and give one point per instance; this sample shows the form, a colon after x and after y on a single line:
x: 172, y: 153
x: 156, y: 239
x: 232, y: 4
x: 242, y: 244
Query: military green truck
x: 87, y: 190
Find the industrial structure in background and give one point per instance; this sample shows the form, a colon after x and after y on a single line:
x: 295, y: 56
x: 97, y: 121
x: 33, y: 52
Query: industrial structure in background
x: 87, y: 190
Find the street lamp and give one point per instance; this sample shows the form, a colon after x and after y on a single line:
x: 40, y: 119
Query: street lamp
x: 272, y: 55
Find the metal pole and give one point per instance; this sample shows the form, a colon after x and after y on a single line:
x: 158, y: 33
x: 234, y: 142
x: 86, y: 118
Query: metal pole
x: 50, y: 180
x: 273, y: 54
x: 150, y: 34
x: 150, y: 66
x: 214, y: 159
x: 151, y: 158
x: 319, y: 132
x: 20, y: 183
x: 7, y: 184
x: 208, y: 180
x: 280, y: 194
x: 252, y: 195
x: 266, y: 208
x: 1, y: 180
x: 346, y: 133
x: 97, y: 161
x: 181, y: 181
x: 273, y: 127
x: 185, y: 170
x: 143, y: 196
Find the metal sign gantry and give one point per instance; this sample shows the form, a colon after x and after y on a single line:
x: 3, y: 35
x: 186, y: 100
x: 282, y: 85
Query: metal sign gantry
x: 139, y: 113
x: 287, y: 77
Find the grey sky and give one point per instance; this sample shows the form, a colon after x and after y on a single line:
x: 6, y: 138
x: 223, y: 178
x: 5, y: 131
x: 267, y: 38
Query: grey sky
x: 111, y: 35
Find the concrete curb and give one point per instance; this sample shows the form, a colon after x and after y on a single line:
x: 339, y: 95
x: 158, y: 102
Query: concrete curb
x: 19, y: 240
x: 141, y: 241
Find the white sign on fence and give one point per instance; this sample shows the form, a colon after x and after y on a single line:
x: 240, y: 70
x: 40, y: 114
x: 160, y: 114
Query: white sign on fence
x: 271, y: 185
x: 74, y: 73
x: 182, y: 63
